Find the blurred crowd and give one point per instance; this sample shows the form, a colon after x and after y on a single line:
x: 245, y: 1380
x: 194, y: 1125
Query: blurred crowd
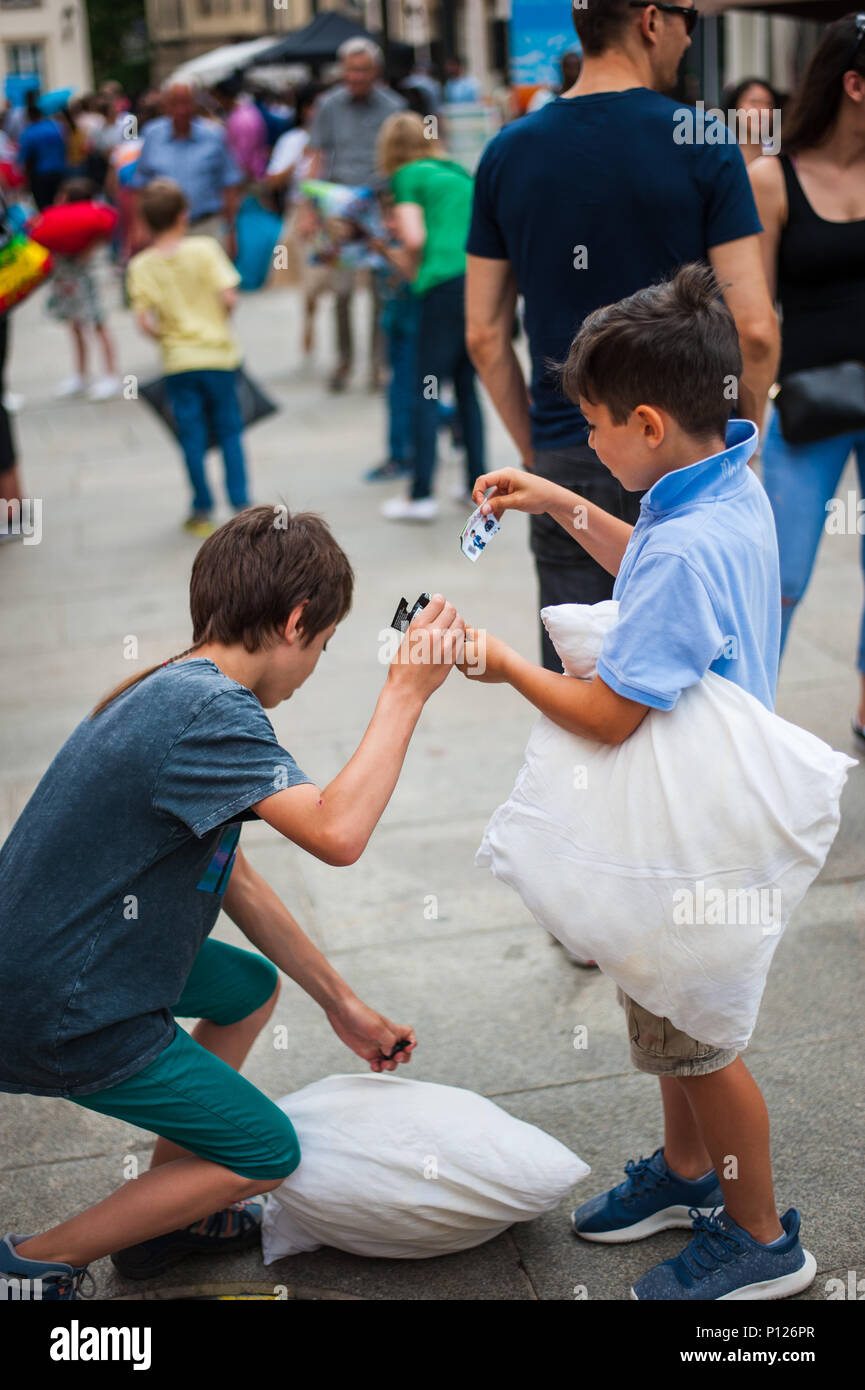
x: 348, y: 185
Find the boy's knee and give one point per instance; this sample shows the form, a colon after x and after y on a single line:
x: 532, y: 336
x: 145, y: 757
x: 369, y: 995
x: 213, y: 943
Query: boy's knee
x: 282, y: 1156
x: 266, y: 978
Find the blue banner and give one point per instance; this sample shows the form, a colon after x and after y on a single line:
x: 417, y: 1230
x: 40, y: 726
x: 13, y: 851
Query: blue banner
x: 541, y: 31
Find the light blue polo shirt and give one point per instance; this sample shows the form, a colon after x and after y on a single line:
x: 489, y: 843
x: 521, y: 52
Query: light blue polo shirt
x: 699, y: 586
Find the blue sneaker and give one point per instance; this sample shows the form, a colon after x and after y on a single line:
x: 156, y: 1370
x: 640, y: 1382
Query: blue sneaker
x: 724, y: 1262
x: 38, y: 1280
x: 652, y: 1198
x: 234, y: 1228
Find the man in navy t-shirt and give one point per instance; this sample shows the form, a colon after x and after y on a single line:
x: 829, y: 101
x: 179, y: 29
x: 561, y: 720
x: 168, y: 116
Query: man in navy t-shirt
x: 602, y: 192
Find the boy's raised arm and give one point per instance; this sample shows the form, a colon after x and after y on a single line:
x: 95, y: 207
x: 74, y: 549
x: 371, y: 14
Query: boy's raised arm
x: 589, y: 708
x: 605, y: 537
x: 336, y: 823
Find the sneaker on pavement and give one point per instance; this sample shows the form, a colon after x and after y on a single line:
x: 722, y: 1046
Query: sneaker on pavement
x: 38, y: 1280
x: 724, y: 1262
x: 234, y: 1228
x: 387, y: 471
x: 105, y: 389
x: 71, y: 386
x: 199, y: 524
x: 407, y: 509
x: 652, y: 1198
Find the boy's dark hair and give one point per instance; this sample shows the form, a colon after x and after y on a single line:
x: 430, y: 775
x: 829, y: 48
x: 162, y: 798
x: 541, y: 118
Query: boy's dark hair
x: 250, y: 574
x: 77, y: 190
x: 673, y: 346
x: 162, y: 202
x: 600, y: 24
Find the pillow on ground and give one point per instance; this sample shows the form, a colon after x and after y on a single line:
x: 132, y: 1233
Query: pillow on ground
x: 408, y: 1169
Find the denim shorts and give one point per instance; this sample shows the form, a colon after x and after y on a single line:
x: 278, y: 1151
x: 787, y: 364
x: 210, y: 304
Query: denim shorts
x: 661, y: 1049
x: 193, y: 1098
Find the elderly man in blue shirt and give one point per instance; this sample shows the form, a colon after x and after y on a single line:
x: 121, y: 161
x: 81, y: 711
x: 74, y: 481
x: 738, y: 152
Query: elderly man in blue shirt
x: 195, y: 153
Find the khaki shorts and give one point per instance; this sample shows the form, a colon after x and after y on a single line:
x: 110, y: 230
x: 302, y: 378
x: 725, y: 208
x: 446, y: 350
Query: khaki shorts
x: 664, y: 1050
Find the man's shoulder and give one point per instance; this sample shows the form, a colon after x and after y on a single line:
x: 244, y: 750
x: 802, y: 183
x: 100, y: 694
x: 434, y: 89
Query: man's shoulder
x: 386, y: 96
x: 207, y: 130
x: 337, y: 96
x: 157, y: 129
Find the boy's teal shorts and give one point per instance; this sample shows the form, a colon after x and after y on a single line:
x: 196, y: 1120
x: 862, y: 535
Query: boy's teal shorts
x: 197, y: 1100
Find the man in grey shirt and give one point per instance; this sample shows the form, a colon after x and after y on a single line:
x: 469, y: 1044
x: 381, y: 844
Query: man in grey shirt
x: 342, y: 142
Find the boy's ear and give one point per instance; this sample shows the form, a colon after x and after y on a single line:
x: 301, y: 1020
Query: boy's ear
x: 292, y: 631
x: 651, y: 423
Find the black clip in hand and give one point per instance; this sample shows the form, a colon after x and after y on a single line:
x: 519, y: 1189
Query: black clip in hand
x: 403, y: 615
x: 401, y: 1046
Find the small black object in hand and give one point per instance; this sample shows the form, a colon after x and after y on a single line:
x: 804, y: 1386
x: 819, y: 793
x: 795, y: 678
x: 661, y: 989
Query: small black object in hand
x: 403, y: 615
x: 400, y: 1047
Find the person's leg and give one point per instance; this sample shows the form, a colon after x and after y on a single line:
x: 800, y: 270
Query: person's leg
x: 800, y: 480
x: 109, y: 355
x: 436, y: 357
x: 402, y: 354
x: 860, y: 661
x: 734, y: 1124
x: 463, y: 376
x: 224, y: 408
x: 232, y: 992
x: 159, y: 1201
x: 471, y: 419
x: 79, y: 347
x: 309, y: 304
x: 189, y: 407
x: 376, y: 337
x: 343, y: 283
x: 684, y: 1150
x: 221, y: 1141
x: 566, y: 572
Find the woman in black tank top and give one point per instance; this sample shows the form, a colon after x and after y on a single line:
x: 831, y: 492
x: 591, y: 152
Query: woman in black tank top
x: 811, y: 202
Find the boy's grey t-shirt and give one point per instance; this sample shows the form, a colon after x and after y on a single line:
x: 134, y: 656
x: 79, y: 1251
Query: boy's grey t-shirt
x: 113, y: 875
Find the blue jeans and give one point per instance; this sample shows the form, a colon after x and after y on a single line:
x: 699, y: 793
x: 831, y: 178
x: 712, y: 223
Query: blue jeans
x: 401, y: 335
x: 402, y: 359
x: 801, y: 480
x: 202, y: 401
x: 442, y: 356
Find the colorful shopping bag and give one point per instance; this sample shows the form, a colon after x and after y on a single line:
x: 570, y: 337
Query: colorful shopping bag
x: 23, y: 263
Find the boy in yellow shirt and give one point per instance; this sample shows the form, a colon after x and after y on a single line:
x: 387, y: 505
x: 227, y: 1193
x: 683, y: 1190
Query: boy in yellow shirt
x: 183, y: 289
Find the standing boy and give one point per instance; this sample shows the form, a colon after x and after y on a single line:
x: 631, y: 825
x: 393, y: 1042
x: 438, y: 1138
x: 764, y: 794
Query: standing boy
x: 652, y: 375
x: 183, y: 289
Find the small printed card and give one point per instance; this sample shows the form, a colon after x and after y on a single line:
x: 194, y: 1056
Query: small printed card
x: 478, y: 530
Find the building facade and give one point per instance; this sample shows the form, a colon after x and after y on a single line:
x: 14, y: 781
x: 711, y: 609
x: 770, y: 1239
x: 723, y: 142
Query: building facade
x: 46, y: 37
x: 730, y: 45
x: 183, y: 29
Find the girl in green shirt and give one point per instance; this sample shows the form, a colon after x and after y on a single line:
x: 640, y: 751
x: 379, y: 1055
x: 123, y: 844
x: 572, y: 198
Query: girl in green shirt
x: 433, y: 205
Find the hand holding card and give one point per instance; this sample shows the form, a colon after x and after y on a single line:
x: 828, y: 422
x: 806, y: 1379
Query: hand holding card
x: 477, y: 532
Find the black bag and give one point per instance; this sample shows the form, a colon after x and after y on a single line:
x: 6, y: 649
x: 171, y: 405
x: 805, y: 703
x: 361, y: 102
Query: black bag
x: 254, y: 404
x: 821, y: 402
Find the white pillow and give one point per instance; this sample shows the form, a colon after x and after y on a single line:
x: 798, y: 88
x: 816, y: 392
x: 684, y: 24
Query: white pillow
x: 577, y: 631
x: 409, y: 1169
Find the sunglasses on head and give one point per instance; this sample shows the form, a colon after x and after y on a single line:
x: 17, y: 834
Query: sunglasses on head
x: 688, y: 13
x: 860, y: 37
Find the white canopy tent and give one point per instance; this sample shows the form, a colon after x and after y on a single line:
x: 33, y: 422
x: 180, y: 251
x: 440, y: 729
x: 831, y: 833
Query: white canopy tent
x: 219, y: 63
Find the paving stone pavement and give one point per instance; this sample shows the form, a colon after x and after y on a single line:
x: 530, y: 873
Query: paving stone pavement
x: 494, y: 1000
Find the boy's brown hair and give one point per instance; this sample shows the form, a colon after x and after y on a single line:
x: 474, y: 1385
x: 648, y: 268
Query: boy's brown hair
x: 672, y: 345
x: 162, y: 202
x: 249, y: 575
